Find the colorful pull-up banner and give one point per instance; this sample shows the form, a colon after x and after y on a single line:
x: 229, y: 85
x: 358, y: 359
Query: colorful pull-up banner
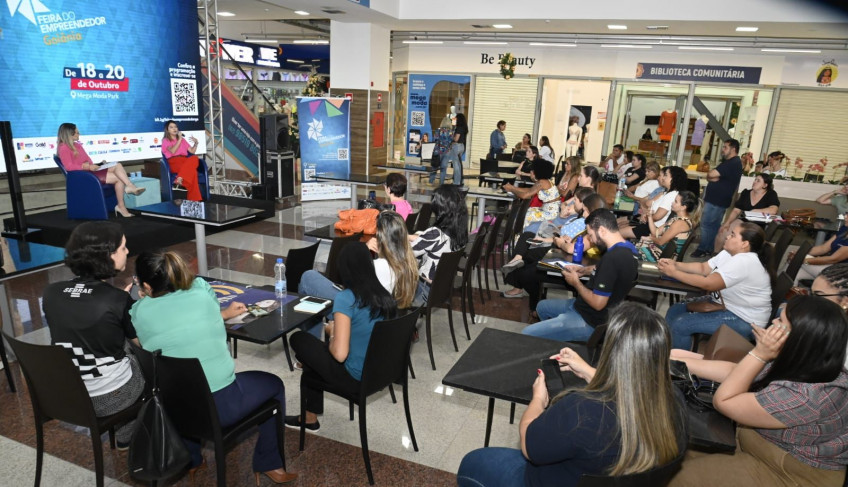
x: 324, y: 125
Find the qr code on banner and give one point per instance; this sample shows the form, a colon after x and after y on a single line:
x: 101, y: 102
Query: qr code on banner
x: 417, y: 119
x: 343, y: 154
x: 184, y: 97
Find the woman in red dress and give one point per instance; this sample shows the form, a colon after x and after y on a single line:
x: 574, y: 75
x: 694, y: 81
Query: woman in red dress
x: 181, y: 160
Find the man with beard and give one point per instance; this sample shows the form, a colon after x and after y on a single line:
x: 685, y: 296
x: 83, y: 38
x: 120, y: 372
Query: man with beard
x: 609, y: 282
x: 722, y: 186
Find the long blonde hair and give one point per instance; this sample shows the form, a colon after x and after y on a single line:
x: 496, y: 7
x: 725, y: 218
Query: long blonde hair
x: 164, y: 271
x: 66, y: 136
x: 576, y: 164
x: 393, y: 241
x: 633, y: 373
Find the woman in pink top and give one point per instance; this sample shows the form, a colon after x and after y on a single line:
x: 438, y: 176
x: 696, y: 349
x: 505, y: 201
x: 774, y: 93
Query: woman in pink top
x: 74, y: 158
x: 395, y: 190
x: 181, y: 160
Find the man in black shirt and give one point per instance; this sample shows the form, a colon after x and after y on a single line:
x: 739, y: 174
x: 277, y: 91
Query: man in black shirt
x: 609, y: 282
x: 722, y: 185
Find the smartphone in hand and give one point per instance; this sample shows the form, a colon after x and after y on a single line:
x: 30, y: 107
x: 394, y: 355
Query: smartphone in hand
x: 553, y: 376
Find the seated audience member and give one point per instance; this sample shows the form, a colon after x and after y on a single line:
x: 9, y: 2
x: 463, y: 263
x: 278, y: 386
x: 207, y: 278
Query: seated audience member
x: 761, y: 198
x: 610, y: 281
x: 544, y: 189
x: 526, y: 142
x: 774, y: 164
x: 628, y: 164
x: 832, y: 284
x: 747, y: 163
x: 789, y: 397
x: 568, y: 210
x: 531, y: 155
x: 571, y: 173
x: 838, y: 198
x: 673, y: 179
x: 179, y: 314
x: 90, y: 318
x: 73, y: 157
x: 448, y: 234
x: 758, y: 167
x: 634, y: 174
x: 395, y: 187
x: 339, y: 361
x: 685, y: 213
x: 647, y: 135
x: 546, y: 152
x: 647, y: 189
x: 740, y: 277
x: 614, y: 160
x: 833, y: 251
x: 395, y: 266
x: 526, y: 278
x: 626, y: 420
x: 181, y: 160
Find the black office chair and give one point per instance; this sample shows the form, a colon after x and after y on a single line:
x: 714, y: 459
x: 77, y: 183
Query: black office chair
x: 299, y: 261
x: 386, y: 362
x: 423, y: 221
x: 5, y: 360
x: 655, y: 477
x: 795, y: 263
x: 463, y: 282
x: 441, y: 294
x: 780, y: 246
x: 686, y: 244
x: 770, y: 230
x: 782, y: 285
x: 332, y: 271
x: 186, y: 397
x: 411, y: 219
x: 58, y: 392
x: 488, y: 259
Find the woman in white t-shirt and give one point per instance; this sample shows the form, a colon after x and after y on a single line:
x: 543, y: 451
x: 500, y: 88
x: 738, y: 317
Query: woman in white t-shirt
x: 740, y: 277
x: 673, y: 179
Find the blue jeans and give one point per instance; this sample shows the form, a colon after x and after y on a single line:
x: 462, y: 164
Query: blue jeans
x: 453, y: 156
x: 710, y: 223
x: 684, y: 324
x: 237, y: 400
x: 492, y: 467
x: 422, y: 294
x: 560, y: 321
x: 313, y: 283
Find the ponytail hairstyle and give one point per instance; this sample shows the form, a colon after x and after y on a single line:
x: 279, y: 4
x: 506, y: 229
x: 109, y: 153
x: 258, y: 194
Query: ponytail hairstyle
x: 393, y: 241
x: 756, y: 238
x: 164, y: 271
x: 592, y: 173
x: 66, y: 136
x: 692, y: 204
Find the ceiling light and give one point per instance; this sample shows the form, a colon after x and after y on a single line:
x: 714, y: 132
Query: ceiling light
x: 552, y: 44
x: 807, y: 51
x: 704, y: 48
x: 301, y: 12
x: 311, y: 41
x: 296, y: 61
x: 616, y: 27
x: 226, y: 14
x: 747, y: 29
x: 261, y: 41
x: 627, y: 46
x: 485, y: 43
x: 502, y: 26
x: 423, y: 42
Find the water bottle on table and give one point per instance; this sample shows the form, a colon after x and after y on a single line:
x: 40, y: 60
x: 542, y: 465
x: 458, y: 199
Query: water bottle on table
x: 280, y: 278
x: 578, y: 251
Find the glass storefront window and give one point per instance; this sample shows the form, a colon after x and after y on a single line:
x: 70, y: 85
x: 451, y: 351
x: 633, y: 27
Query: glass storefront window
x: 398, y: 125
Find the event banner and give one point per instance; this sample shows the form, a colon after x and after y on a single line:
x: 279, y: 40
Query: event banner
x: 699, y: 72
x: 324, y: 125
x: 423, y: 114
x: 117, y: 70
x: 241, y: 133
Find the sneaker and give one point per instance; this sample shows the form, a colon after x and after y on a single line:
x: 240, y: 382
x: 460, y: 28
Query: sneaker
x: 701, y: 253
x: 511, y: 266
x: 293, y: 422
x: 122, y: 446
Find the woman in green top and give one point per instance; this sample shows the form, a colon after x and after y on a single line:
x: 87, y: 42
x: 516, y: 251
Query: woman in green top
x: 179, y: 314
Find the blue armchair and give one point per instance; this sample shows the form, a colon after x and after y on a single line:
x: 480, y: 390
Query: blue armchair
x: 87, y: 198
x: 166, y: 179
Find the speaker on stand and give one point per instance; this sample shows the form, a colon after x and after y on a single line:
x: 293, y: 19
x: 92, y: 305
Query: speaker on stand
x: 276, y: 160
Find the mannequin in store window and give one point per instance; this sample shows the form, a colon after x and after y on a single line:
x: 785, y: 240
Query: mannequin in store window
x: 699, y: 130
x: 575, y: 136
x: 668, y: 125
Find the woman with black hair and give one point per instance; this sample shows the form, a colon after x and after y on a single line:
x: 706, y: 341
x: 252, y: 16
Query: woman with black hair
x: 739, y: 277
x: 789, y: 396
x: 674, y: 180
x: 90, y: 318
x: 448, y: 234
x: 589, y: 177
x: 339, y: 361
x: 761, y: 198
x: 544, y: 190
x: 531, y: 155
x: 546, y: 152
x: 179, y: 314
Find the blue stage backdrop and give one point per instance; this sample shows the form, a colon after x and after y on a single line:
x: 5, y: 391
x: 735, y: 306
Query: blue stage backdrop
x: 419, y: 119
x: 324, y: 125
x: 116, y: 69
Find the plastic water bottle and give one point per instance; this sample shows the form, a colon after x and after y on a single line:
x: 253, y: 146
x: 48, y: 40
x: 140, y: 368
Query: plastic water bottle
x: 619, y: 192
x: 578, y: 251
x: 280, y: 278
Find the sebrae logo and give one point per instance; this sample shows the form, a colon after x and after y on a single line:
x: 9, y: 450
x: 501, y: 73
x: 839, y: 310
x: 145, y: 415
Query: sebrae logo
x: 27, y: 8
x: 315, y: 129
